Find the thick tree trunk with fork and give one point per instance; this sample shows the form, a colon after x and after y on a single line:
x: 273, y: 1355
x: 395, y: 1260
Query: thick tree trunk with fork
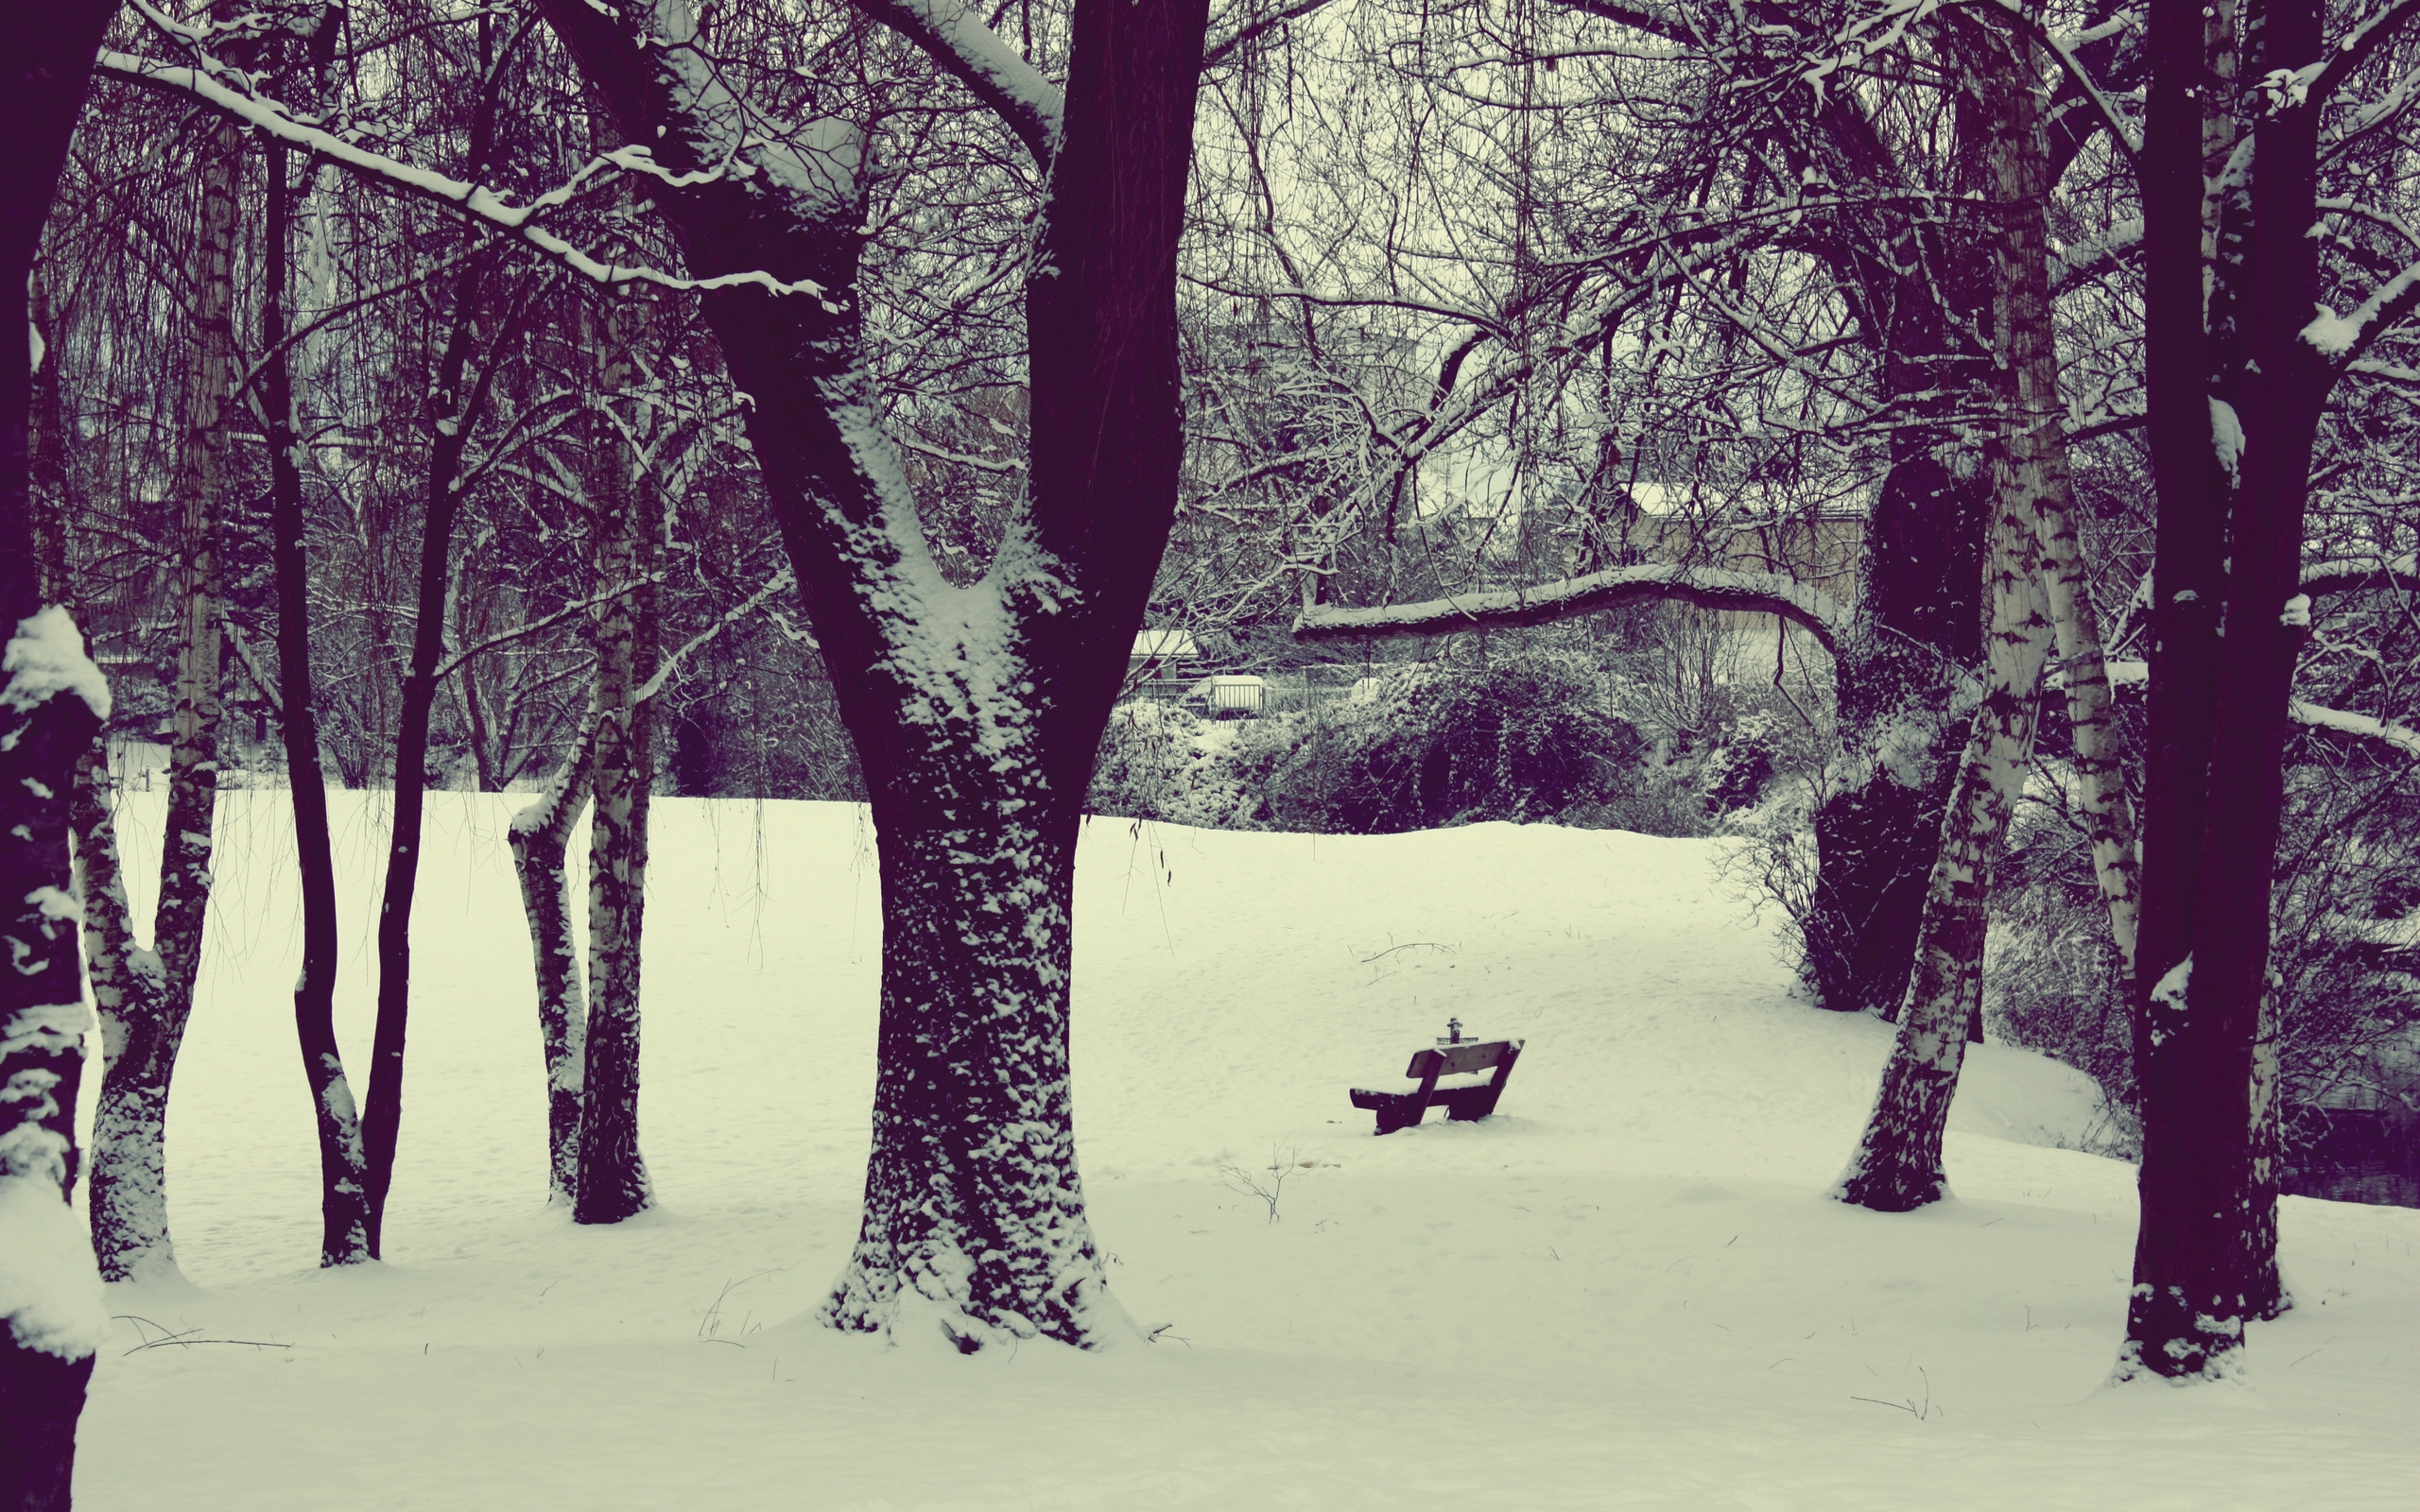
x: 976, y: 711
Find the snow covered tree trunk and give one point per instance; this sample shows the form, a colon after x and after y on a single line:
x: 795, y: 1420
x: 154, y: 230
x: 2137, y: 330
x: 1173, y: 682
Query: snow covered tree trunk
x: 976, y: 711
x: 130, y: 1121
x: 613, y: 1182
x: 1899, y: 1162
x: 129, y: 1196
x: 51, y: 1316
x: 344, y: 1235
x: 51, y: 707
x: 540, y: 837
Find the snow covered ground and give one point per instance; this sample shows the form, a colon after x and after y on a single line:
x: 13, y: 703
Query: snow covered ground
x: 1624, y: 1290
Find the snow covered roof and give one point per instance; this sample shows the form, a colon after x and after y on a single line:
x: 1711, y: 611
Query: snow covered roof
x: 1159, y: 644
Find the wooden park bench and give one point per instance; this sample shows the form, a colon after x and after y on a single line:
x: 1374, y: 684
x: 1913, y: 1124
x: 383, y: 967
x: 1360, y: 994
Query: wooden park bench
x: 1463, y: 1097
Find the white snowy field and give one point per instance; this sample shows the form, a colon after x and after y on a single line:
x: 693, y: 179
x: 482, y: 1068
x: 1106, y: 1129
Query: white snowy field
x: 1624, y: 1290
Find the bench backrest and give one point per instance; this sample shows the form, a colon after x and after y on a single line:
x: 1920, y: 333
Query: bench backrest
x: 1454, y: 1060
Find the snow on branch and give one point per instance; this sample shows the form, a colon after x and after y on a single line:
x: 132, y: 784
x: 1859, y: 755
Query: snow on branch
x: 2346, y: 337
x: 2384, y: 731
x: 2101, y: 104
x: 2344, y: 575
x: 1817, y: 613
x: 779, y: 582
x: 478, y: 201
x: 955, y: 37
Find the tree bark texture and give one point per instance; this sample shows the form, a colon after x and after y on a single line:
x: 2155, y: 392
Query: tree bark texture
x: 130, y: 1123
x: 45, y: 728
x: 2195, y: 1281
x: 45, y: 64
x: 129, y: 1198
x: 1897, y: 1165
x: 540, y: 837
x: 977, y: 712
x: 344, y: 1235
x: 613, y: 1182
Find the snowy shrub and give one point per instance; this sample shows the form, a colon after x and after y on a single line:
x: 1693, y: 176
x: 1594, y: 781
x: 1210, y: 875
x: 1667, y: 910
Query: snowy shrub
x: 1431, y: 744
x: 2052, y: 978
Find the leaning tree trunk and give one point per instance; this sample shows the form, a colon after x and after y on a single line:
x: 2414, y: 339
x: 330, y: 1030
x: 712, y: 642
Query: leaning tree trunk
x: 540, y: 837
x: 1897, y: 1165
x: 50, y: 1326
x: 130, y: 1121
x: 613, y: 1182
x: 344, y: 1235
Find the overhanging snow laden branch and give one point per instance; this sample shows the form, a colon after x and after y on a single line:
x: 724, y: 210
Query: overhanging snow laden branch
x: 1813, y: 611
x: 478, y: 201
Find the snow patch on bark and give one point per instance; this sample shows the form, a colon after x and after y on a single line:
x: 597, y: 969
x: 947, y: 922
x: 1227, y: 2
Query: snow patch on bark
x: 46, y: 656
x: 50, y: 1292
x: 2226, y: 434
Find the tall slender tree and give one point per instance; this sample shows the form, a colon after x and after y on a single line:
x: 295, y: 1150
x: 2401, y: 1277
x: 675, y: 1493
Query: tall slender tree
x: 130, y: 1125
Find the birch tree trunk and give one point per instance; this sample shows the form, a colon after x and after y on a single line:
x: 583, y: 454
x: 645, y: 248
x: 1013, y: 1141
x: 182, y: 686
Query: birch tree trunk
x: 2099, y: 765
x: 1897, y: 1165
x: 613, y: 1182
x: 130, y: 1123
x: 344, y: 1235
x: 540, y: 837
x: 129, y: 1194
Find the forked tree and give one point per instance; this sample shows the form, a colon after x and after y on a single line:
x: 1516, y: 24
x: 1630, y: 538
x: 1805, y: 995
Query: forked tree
x: 976, y: 711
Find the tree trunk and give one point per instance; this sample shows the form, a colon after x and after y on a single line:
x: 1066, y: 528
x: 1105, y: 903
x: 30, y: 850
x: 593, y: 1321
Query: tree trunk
x: 540, y: 837
x: 457, y: 413
x: 977, y: 712
x: 129, y: 1198
x: 129, y: 1122
x: 2195, y: 1283
x: 1899, y: 1162
x: 973, y: 1210
x: 613, y: 1182
x: 47, y: 1338
x: 51, y: 708
x: 344, y: 1236
x: 2099, y: 765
